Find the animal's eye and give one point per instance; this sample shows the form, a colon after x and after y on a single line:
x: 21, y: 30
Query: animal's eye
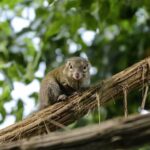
x: 84, y: 67
x: 70, y: 66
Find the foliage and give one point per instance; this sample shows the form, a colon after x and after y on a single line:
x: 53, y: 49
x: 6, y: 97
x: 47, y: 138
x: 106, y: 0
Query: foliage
x: 113, y: 34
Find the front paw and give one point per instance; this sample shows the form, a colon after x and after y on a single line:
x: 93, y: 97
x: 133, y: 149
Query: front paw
x: 77, y: 93
x: 61, y: 97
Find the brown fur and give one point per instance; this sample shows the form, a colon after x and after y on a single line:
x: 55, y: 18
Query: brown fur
x: 62, y: 81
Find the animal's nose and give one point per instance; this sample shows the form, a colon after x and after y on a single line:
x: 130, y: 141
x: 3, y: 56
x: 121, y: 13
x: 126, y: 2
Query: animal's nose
x: 77, y: 75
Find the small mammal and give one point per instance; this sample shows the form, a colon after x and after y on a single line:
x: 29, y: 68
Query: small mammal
x: 61, y: 82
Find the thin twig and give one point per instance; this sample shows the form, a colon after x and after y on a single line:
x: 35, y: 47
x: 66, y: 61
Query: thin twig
x: 48, y: 131
x: 144, y: 97
x: 56, y: 123
x: 98, y: 106
x: 125, y: 101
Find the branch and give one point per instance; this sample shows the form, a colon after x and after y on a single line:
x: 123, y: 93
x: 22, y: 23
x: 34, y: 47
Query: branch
x: 63, y: 113
x: 113, y: 134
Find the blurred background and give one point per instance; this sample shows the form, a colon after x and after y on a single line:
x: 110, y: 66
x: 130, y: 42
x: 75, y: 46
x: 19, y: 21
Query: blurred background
x: 37, y: 35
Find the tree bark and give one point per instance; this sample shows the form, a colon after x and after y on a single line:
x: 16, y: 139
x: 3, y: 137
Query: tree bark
x: 113, y: 134
x: 63, y: 113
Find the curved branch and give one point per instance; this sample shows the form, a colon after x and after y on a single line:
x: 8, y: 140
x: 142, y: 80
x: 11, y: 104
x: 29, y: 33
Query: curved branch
x: 61, y: 114
x: 113, y: 134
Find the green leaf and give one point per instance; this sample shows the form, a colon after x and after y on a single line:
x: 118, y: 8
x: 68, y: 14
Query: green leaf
x: 2, y: 112
x: 9, y: 3
x: 18, y: 111
x: 53, y: 28
x: 35, y: 96
x: 5, y: 96
x: 72, y: 4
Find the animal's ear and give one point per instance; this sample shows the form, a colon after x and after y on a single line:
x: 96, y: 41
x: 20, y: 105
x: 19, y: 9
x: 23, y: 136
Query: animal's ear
x: 67, y: 62
x: 88, y: 62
